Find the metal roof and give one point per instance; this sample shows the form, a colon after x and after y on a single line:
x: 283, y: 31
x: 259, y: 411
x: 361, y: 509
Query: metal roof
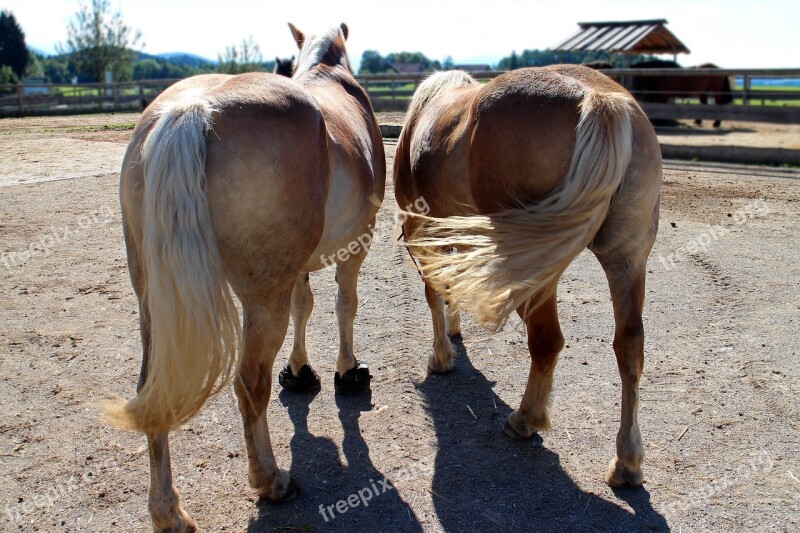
x: 626, y: 37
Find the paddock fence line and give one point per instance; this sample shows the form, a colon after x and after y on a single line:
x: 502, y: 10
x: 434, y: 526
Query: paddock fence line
x: 754, y: 99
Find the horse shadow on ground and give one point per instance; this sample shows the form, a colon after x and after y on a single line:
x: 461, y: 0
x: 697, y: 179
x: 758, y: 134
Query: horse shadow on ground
x: 482, y: 480
x: 355, y: 484
x: 485, y: 481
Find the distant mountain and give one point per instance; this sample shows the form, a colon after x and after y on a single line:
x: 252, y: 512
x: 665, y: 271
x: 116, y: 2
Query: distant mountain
x: 183, y: 58
x: 38, y: 52
x: 477, y: 60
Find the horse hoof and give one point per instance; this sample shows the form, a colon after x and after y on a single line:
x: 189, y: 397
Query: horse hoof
x: 180, y: 523
x: 619, y: 475
x: 437, y: 367
x: 354, y: 381
x: 277, y: 495
x: 306, y: 380
x: 521, y: 432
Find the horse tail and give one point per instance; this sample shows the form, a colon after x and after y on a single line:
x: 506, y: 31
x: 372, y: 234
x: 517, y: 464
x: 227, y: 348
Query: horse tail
x: 194, y: 326
x: 433, y: 86
x: 492, y: 264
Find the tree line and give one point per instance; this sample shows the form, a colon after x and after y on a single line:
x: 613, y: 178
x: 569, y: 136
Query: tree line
x: 99, y: 41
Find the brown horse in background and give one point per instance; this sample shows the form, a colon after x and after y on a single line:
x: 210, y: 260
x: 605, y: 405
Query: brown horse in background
x: 520, y: 175
x: 241, y: 185
x: 284, y: 67
x: 664, y: 89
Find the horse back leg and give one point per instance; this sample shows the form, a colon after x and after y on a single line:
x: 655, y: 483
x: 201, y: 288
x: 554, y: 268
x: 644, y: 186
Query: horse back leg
x: 298, y: 376
x: 626, y: 280
x: 351, y: 376
x: 265, y: 324
x: 441, y: 360
x: 545, y: 341
x: 163, y: 500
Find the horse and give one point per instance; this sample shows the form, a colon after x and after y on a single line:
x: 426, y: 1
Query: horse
x: 284, y: 67
x: 519, y: 176
x: 663, y: 89
x: 237, y: 186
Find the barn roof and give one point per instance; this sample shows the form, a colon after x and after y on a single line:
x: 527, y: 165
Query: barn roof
x: 626, y: 37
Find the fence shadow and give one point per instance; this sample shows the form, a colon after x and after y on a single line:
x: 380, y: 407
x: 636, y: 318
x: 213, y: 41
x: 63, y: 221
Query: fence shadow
x: 700, y: 131
x: 484, y: 481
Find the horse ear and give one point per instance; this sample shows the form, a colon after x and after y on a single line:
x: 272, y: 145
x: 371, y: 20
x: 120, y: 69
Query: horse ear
x: 345, y: 31
x: 291, y: 58
x: 277, y: 59
x: 299, y: 38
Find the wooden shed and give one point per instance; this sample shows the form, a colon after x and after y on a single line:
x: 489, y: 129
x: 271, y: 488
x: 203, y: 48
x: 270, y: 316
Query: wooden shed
x: 631, y: 37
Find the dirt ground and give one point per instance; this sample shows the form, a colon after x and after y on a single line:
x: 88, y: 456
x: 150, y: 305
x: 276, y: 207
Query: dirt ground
x: 719, y: 412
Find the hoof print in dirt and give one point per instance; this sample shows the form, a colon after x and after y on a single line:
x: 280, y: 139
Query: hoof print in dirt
x: 306, y: 379
x: 354, y: 381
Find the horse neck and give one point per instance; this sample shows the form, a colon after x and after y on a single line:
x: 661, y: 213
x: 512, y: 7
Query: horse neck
x: 324, y: 74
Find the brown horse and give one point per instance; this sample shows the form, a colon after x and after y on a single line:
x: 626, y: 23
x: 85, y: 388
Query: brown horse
x: 284, y: 67
x: 242, y: 185
x: 664, y: 89
x: 520, y: 175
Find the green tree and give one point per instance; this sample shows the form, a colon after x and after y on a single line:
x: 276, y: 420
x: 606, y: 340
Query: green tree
x: 13, y: 52
x: 448, y: 63
x: 372, y: 63
x: 246, y: 58
x: 413, y: 57
x: 99, y: 41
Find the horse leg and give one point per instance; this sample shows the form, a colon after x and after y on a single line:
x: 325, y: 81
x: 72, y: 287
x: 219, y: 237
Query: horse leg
x: 626, y: 280
x: 163, y: 501
x: 703, y: 100
x: 351, y: 376
x: 441, y: 360
x: 453, y: 321
x: 264, y: 330
x: 545, y: 341
x: 298, y: 376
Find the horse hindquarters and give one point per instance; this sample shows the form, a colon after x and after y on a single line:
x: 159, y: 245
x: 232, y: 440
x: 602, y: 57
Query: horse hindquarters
x: 244, y: 193
x: 503, y: 259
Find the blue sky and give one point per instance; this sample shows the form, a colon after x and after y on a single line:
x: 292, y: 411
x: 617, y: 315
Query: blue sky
x: 730, y: 33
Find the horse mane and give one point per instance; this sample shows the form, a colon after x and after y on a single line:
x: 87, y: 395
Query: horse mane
x: 316, y: 47
x: 433, y: 86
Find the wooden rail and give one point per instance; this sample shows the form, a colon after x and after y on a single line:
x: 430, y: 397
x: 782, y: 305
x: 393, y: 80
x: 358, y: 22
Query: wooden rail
x: 393, y: 92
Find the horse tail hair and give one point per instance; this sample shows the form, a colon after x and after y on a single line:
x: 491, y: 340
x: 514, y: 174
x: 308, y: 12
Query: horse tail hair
x: 434, y: 85
x: 194, y: 325
x: 492, y: 264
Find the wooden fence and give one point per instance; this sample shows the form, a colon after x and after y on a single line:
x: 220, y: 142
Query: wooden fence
x: 393, y: 92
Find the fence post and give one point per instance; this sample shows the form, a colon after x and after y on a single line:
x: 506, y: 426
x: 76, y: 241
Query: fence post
x: 114, y: 90
x: 746, y: 90
x: 20, y: 98
x: 394, y: 94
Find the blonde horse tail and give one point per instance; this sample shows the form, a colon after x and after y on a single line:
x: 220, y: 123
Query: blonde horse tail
x: 194, y: 325
x: 492, y: 264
